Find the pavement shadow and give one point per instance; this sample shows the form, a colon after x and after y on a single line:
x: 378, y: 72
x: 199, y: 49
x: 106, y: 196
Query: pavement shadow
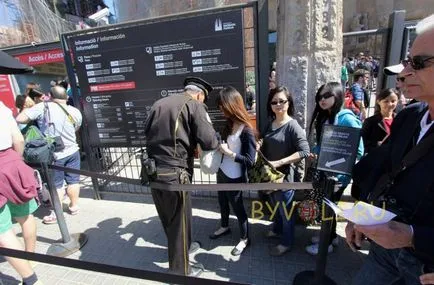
x: 138, y: 245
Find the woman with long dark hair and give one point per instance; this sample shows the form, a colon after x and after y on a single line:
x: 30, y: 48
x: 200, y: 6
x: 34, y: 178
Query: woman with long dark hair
x: 376, y: 129
x: 238, y: 155
x: 284, y: 143
x: 328, y: 110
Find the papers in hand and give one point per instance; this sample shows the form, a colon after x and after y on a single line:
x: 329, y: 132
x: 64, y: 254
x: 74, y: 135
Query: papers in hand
x: 362, y: 213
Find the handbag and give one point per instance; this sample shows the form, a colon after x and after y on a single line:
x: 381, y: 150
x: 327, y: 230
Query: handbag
x: 210, y: 161
x: 263, y: 172
x: 43, y: 193
x: 57, y: 142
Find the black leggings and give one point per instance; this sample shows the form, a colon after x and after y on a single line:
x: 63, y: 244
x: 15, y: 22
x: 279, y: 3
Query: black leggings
x: 235, y: 199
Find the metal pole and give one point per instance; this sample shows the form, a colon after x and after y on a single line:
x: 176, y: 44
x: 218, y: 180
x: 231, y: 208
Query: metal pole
x: 70, y: 243
x: 318, y: 277
x: 263, y: 67
x: 57, y: 206
x: 395, y: 43
x: 321, y: 261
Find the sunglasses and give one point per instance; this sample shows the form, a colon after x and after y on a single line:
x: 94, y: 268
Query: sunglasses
x: 281, y: 102
x: 417, y: 62
x: 325, y: 96
x: 401, y: 79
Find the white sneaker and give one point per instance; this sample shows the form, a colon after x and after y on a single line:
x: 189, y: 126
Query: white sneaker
x: 313, y: 249
x: 315, y: 239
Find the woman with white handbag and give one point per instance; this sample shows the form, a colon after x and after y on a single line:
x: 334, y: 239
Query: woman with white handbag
x: 238, y: 155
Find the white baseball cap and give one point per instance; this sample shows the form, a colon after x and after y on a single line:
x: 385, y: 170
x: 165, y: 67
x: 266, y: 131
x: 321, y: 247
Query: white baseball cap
x: 393, y: 69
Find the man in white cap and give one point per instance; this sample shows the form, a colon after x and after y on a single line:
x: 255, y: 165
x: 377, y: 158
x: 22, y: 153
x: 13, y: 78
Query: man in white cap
x: 400, y: 83
x: 400, y: 178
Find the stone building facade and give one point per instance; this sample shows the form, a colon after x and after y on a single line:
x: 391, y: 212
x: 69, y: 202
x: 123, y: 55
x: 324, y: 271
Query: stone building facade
x: 358, y: 14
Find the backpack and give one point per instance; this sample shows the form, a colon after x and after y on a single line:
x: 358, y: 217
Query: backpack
x: 37, y: 148
x: 349, y: 103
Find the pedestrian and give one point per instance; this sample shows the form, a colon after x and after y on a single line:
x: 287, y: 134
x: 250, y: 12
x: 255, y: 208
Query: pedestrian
x: 376, y: 129
x: 283, y: 144
x: 17, y: 196
x: 344, y: 74
x: 328, y: 110
x: 359, y: 92
x: 57, y: 119
x: 398, y: 176
x: 23, y: 102
x: 238, y: 156
x: 175, y: 126
x: 395, y: 70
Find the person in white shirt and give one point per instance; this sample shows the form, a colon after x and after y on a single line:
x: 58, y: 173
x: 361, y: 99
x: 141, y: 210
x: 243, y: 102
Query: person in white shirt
x: 57, y: 119
x: 239, y: 155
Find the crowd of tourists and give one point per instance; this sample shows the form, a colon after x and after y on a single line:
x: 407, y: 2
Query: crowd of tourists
x: 401, y: 250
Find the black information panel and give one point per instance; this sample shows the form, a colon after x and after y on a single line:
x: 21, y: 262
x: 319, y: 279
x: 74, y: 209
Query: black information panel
x: 123, y: 71
x: 338, y: 149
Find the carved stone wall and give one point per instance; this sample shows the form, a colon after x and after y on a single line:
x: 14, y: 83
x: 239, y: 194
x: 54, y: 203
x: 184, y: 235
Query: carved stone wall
x: 378, y: 11
x: 309, y: 49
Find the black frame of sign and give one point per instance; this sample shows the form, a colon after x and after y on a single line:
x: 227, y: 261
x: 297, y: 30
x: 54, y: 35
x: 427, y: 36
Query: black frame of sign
x: 260, y: 52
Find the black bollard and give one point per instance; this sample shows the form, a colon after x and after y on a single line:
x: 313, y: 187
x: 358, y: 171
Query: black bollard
x: 318, y: 277
x: 70, y: 243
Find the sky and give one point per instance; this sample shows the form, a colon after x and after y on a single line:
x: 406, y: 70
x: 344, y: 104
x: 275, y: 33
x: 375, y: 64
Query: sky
x: 4, y: 16
x: 109, y: 3
x: 5, y: 19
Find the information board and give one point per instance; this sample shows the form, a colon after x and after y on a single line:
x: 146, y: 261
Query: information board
x: 123, y: 71
x: 338, y: 151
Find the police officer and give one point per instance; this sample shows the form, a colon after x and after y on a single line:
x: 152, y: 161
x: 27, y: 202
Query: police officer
x: 176, y: 124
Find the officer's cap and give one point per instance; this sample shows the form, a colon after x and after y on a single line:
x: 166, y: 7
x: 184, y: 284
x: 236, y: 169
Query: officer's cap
x: 200, y: 83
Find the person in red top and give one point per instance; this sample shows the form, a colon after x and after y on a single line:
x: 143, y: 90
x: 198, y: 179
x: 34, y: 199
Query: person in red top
x: 376, y: 129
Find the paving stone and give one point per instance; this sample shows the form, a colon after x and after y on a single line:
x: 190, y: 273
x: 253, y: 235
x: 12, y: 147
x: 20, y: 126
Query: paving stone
x: 130, y: 235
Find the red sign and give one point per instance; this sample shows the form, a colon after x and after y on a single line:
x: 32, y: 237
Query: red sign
x: 113, y: 86
x: 41, y: 57
x: 6, y: 93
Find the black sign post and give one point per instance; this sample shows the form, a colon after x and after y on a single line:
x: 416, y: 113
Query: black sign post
x: 337, y: 155
x: 123, y: 70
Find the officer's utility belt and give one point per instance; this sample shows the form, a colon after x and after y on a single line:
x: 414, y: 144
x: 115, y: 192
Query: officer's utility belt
x: 166, y: 175
x: 172, y: 175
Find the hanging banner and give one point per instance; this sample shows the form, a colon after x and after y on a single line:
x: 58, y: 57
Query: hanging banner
x: 7, y: 94
x: 41, y: 57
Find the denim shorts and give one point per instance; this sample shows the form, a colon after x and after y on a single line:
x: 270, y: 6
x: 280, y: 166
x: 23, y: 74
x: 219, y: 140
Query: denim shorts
x: 72, y: 161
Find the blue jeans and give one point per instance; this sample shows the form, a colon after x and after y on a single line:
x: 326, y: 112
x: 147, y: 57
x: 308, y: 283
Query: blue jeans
x: 389, y: 267
x: 283, y: 225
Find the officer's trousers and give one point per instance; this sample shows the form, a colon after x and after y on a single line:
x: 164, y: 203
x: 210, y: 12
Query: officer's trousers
x: 174, y: 210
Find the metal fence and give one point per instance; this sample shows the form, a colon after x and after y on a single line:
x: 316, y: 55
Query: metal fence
x: 125, y: 162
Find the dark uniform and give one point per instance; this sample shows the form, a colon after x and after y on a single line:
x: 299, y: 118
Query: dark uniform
x: 175, y: 126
